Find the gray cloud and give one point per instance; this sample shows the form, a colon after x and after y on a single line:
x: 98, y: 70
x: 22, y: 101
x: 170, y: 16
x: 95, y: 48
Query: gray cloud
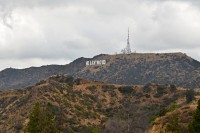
x: 42, y: 31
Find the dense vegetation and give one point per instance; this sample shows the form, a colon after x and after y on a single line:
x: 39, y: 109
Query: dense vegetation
x: 194, y: 126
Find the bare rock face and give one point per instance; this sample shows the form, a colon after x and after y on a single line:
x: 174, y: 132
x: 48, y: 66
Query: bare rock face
x: 132, y: 69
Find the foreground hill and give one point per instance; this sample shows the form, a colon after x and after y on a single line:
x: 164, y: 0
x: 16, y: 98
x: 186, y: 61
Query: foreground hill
x: 132, y: 69
x: 81, y: 106
x: 177, y: 120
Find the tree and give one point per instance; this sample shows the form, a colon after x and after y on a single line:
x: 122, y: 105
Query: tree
x: 173, y: 125
x: 190, y: 95
x: 172, y: 88
x: 194, y: 126
x: 41, y: 120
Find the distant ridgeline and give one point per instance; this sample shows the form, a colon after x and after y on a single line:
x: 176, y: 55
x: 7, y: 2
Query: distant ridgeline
x: 95, y: 62
x: 127, y: 69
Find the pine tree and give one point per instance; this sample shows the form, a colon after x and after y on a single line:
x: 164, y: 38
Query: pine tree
x: 194, y: 126
x: 41, y: 120
x: 34, y: 118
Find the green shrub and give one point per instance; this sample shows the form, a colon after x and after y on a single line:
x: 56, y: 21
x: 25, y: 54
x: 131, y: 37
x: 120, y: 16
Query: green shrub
x: 190, y: 95
x: 104, y: 119
x: 113, y: 94
x: 147, y: 96
x: 99, y: 105
x: 78, y: 81
x: 167, y: 101
x: 175, y: 97
x: 162, y: 111
x: 108, y: 87
x: 161, y: 90
x: 63, y: 79
x: 152, y: 119
x: 172, y: 88
x: 90, y: 129
x: 79, y: 107
x: 93, y: 97
x: 147, y: 88
x: 91, y: 88
x: 70, y: 130
x: 139, y: 95
x: 172, y: 107
x: 72, y: 121
x: 126, y: 89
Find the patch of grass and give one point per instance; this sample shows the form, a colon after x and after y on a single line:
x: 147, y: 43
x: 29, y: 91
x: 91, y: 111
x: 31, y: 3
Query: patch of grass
x: 172, y: 107
x: 152, y: 119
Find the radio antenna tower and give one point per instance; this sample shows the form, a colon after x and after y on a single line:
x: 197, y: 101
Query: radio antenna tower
x: 128, y: 47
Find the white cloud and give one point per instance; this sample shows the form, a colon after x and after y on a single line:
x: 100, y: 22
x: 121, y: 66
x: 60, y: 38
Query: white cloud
x: 36, y: 62
x: 67, y: 29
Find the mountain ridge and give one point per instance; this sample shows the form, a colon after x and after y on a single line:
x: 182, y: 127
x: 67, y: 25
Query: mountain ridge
x: 136, y: 68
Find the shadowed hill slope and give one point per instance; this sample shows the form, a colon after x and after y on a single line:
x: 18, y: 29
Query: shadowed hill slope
x: 132, y: 69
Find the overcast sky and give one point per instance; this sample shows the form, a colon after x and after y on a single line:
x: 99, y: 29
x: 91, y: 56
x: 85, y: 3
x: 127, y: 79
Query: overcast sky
x: 41, y: 32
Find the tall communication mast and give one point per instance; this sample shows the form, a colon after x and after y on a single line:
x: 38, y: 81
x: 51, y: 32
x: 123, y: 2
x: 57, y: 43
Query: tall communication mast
x: 128, y: 47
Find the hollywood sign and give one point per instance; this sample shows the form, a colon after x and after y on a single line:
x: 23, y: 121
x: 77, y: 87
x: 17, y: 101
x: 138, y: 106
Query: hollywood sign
x: 95, y: 62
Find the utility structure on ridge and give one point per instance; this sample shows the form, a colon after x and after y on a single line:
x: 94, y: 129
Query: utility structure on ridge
x: 128, y: 47
x: 127, y: 50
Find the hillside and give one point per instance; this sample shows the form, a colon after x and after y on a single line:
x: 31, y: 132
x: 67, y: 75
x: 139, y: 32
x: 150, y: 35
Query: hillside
x: 179, y: 117
x: 132, y: 69
x: 169, y: 68
x: 80, y: 105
